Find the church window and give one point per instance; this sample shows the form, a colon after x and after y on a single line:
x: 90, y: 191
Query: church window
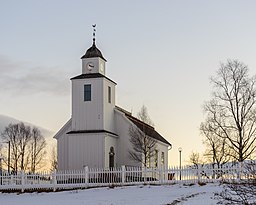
x: 87, y: 92
x: 162, y: 158
x: 109, y: 94
x: 156, y: 158
x: 148, y: 161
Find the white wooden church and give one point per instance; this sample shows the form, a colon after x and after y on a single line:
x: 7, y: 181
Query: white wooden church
x: 97, y: 135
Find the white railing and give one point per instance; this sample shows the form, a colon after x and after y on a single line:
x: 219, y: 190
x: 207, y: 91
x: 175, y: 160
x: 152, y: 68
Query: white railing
x: 118, y: 176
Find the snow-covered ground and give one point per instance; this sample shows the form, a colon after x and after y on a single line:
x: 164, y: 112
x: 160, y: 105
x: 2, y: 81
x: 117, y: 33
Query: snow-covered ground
x: 145, y: 195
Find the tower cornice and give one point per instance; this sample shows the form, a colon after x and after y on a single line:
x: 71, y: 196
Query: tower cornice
x: 92, y: 75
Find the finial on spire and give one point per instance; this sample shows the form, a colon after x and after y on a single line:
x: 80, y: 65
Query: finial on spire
x: 94, y: 31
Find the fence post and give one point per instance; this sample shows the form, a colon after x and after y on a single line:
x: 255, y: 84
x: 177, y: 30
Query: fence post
x: 144, y: 173
x: 22, y: 180
x: 86, y: 169
x: 240, y: 166
x: 54, y: 180
x: 161, y: 174
x: 12, y: 181
x: 199, y: 172
x: 123, y: 174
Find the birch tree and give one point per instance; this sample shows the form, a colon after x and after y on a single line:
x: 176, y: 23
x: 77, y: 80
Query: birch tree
x: 54, y: 162
x: 217, y: 149
x: 231, y: 113
x: 27, y: 146
x: 37, y: 149
x: 11, y: 133
x: 143, y: 146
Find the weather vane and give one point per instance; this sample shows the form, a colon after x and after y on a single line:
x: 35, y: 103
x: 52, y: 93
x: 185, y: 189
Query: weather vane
x: 94, y: 31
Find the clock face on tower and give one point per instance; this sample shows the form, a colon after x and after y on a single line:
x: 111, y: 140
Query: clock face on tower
x: 101, y: 67
x: 90, y: 66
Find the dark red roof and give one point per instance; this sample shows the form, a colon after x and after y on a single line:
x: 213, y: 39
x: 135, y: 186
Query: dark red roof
x: 144, y: 127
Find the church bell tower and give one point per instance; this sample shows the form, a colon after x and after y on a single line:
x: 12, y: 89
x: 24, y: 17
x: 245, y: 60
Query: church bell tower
x: 93, y: 94
x: 93, y: 60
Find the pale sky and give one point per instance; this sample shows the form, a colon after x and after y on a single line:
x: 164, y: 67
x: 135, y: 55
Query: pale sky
x: 160, y: 53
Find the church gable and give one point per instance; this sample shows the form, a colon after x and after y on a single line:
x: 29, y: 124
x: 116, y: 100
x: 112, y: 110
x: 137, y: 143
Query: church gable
x: 66, y: 128
x: 147, y: 129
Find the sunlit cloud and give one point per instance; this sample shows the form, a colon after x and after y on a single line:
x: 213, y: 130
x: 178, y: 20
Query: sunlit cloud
x: 23, y: 78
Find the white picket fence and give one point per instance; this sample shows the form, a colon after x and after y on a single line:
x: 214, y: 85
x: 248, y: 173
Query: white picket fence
x: 119, y: 176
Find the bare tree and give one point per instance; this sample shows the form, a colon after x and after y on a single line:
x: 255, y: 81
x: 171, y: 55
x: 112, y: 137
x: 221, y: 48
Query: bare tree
x: 144, y: 116
x: 37, y: 149
x: 11, y: 133
x: 231, y: 114
x: 217, y: 150
x: 195, y: 159
x: 22, y: 146
x: 243, y: 191
x: 143, y: 146
x: 54, y: 162
x: 24, y: 137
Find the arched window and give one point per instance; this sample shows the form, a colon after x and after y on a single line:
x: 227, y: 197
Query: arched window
x: 111, y: 157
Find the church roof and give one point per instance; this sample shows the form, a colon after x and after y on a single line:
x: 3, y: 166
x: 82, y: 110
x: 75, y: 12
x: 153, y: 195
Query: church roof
x: 93, y: 52
x: 91, y: 131
x: 144, y: 127
x: 92, y: 75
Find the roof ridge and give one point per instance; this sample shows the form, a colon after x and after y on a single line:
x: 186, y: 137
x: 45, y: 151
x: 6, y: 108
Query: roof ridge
x: 129, y: 114
x: 139, y: 121
x: 123, y: 110
x: 148, y: 130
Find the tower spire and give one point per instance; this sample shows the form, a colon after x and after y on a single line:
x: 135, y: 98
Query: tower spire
x: 94, y: 31
x: 93, y: 51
